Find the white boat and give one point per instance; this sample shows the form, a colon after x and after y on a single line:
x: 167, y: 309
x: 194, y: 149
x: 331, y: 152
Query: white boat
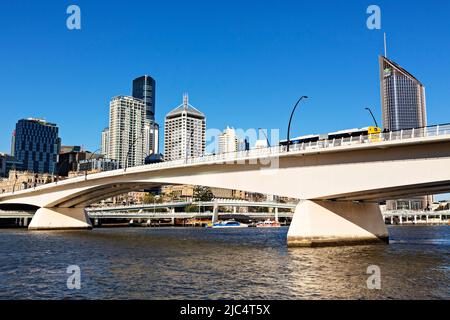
x: 227, y: 224
x: 268, y: 224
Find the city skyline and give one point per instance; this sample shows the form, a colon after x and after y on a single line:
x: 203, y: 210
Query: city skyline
x: 229, y: 158
x: 284, y: 63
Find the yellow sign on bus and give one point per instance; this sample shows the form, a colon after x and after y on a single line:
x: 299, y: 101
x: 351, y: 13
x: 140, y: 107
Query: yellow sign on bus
x: 374, y: 134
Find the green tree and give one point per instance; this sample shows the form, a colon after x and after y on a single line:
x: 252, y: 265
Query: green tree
x: 203, y: 194
x: 149, y: 198
x: 191, y: 208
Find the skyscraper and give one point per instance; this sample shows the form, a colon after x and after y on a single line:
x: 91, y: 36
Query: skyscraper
x: 184, y: 132
x: 37, y: 145
x: 144, y: 88
x: 403, y: 107
x: 127, y: 131
x: 402, y: 97
x: 228, y: 141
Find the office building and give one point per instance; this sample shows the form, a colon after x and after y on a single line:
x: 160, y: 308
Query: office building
x: 184, y: 132
x: 403, y: 106
x: 144, y: 88
x: 126, y: 131
x: 36, y: 145
x: 228, y: 141
x: 402, y: 97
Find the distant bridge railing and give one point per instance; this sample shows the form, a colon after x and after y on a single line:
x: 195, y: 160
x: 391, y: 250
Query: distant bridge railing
x: 220, y: 203
x: 182, y: 215
x: 415, y: 213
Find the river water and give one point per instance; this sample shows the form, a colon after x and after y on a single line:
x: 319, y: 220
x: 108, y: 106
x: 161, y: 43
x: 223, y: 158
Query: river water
x: 188, y: 263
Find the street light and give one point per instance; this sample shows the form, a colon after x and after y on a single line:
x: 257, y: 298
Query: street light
x: 290, y: 119
x: 129, y: 150
x: 267, y: 139
x: 373, y: 117
x: 85, y: 170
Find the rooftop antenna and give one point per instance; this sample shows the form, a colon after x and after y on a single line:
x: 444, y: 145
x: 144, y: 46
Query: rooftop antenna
x: 385, y: 46
x: 185, y: 101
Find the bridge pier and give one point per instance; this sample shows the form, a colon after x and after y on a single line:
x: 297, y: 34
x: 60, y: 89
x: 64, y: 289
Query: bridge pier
x: 60, y: 219
x: 326, y: 223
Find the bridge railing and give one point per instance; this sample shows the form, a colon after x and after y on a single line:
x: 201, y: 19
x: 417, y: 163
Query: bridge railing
x: 243, y: 157
x: 235, y: 157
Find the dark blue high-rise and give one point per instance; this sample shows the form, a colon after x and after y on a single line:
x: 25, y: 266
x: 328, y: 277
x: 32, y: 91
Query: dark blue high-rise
x: 37, y: 145
x: 144, y: 88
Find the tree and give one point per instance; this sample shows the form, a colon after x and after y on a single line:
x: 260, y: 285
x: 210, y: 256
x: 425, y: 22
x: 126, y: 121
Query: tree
x: 203, y: 194
x: 149, y: 198
x: 191, y: 208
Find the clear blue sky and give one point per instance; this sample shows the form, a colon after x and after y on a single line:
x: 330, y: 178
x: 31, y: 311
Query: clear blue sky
x: 244, y: 63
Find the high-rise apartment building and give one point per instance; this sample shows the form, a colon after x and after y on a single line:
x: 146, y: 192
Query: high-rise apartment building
x: 127, y: 131
x: 228, y: 141
x: 403, y: 107
x: 105, y: 142
x: 184, y: 132
x: 144, y: 88
x: 36, y: 145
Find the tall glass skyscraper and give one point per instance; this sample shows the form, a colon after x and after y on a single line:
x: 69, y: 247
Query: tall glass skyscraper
x: 37, y: 145
x: 144, y: 88
x: 403, y: 107
x: 402, y: 97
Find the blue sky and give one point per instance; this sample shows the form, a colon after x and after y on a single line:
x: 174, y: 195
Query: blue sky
x: 244, y: 63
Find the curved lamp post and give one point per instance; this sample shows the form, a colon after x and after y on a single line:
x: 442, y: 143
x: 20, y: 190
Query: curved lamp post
x: 15, y: 180
x: 129, y: 150
x: 373, y: 117
x: 85, y: 171
x: 265, y: 135
x: 290, y: 120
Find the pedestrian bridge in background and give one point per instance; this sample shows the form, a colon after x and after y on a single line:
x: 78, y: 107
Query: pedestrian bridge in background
x: 338, y: 183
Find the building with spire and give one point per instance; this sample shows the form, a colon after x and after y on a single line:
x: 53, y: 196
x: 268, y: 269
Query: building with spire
x: 403, y: 106
x: 184, y: 132
x: 402, y: 97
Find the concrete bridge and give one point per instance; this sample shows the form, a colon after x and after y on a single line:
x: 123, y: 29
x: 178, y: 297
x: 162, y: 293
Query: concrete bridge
x: 339, y: 183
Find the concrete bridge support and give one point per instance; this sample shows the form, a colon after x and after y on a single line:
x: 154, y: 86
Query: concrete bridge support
x: 326, y: 223
x: 60, y: 219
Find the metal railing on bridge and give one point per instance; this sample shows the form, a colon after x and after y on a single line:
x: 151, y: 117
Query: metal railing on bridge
x: 276, y: 151
x: 415, y: 133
